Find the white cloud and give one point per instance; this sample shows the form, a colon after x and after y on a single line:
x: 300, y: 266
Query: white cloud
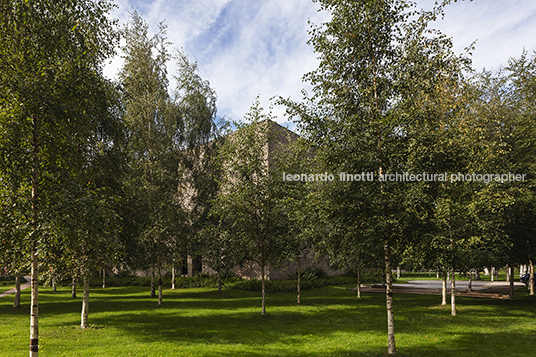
x: 501, y: 28
x: 267, y: 55
x: 247, y: 47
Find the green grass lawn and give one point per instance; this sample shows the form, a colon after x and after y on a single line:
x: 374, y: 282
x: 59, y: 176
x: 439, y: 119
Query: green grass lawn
x: 330, y: 322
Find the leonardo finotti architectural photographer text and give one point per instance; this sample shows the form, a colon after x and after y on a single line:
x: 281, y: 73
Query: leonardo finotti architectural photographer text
x: 406, y: 177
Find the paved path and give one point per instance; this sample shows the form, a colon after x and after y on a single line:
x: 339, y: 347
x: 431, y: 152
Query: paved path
x: 460, y: 284
x: 481, y: 289
x: 22, y: 287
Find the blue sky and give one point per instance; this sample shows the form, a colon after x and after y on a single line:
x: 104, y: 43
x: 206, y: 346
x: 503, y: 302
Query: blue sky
x: 246, y: 48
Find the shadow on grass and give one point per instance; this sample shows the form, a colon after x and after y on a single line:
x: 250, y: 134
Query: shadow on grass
x: 192, y: 317
x: 458, y: 344
x: 205, y: 317
x: 202, y: 317
x: 138, y: 299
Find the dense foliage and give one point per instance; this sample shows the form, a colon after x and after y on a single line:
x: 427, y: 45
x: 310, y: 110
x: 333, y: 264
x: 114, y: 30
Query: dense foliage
x: 136, y: 176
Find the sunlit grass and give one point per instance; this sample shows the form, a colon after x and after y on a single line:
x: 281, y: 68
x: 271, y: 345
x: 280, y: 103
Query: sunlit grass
x: 330, y: 322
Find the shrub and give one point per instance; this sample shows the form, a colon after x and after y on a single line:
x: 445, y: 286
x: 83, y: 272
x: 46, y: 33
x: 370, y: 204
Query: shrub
x: 114, y: 281
x: 201, y: 280
x: 283, y: 286
x: 229, y: 275
x: 368, y: 276
x: 310, y: 274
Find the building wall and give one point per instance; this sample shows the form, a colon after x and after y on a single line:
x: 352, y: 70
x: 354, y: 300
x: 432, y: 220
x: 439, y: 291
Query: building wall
x: 277, y: 136
x: 286, y: 270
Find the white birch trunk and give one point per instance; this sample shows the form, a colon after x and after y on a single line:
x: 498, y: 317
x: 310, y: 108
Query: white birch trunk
x: 159, y: 287
x: 444, y: 289
x: 453, y: 292
x: 298, y: 287
x: 470, y: 284
x: 54, y: 283
x: 73, y: 288
x: 104, y: 278
x: 34, y: 307
x: 391, y: 346
x: 398, y: 272
x: 153, y: 293
x: 511, y: 274
x: 173, y: 276
x: 85, y: 303
x: 263, y: 291
x: 358, y: 283
x: 531, y: 280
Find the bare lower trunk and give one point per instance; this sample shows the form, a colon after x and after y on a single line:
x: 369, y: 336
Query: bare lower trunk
x: 85, y: 303
x: 358, y: 283
x: 453, y: 292
x: 531, y: 280
x: 398, y: 272
x: 173, y: 276
x: 153, y: 291
x: 508, y: 273
x: 219, y: 282
x: 511, y: 274
x: 263, y: 291
x: 73, y: 288
x: 103, y: 278
x: 159, y: 287
x: 54, y: 283
x: 470, y: 284
x: 391, y: 346
x: 298, y: 287
x: 34, y: 307
x: 492, y: 272
x: 444, y: 289
x: 16, y: 302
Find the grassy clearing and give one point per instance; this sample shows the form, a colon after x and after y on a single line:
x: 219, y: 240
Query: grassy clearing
x: 330, y: 322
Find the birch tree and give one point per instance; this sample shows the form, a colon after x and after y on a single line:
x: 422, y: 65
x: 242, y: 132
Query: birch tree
x: 13, y: 230
x: 300, y: 200
x: 154, y: 138
x: 249, y: 203
x: 506, y: 107
x: 361, y: 115
x: 51, y: 54
x: 196, y: 102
